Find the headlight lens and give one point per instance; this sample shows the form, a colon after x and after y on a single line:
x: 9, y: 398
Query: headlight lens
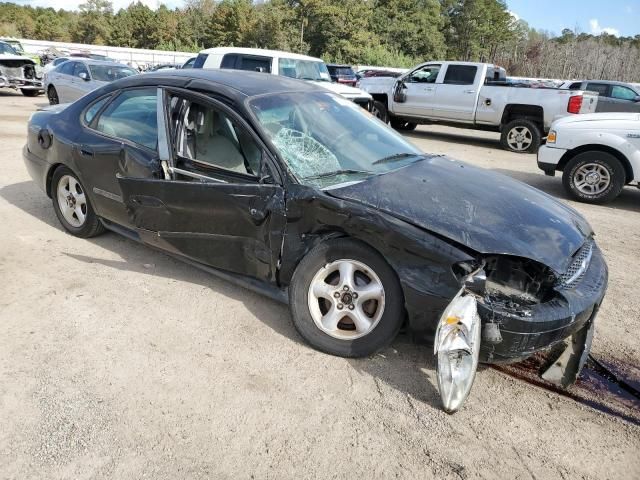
x: 551, y: 138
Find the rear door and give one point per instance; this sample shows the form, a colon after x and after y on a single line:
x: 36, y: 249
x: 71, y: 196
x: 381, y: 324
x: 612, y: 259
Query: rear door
x: 457, y: 93
x: 604, y: 96
x: 62, y: 81
x: 222, y: 204
x: 79, y: 86
x: 119, y: 138
x: 420, y: 88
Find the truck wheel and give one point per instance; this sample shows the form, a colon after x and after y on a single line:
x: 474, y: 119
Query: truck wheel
x: 403, y: 125
x: 379, y: 110
x: 30, y: 93
x: 521, y: 136
x: 594, y: 177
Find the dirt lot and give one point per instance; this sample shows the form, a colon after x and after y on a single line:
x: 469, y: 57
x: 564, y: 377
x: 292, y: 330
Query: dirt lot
x: 117, y: 361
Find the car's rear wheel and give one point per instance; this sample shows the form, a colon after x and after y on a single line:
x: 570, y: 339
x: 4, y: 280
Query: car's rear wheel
x: 379, y: 110
x: 72, y: 205
x: 30, y: 93
x: 52, y: 95
x: 403, y: 125
x: 594, y: 177
x: 521, y: 136
x: 345, y: 299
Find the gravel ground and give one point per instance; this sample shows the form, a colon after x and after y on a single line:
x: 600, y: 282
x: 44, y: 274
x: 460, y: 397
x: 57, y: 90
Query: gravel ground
x: 118, y: 361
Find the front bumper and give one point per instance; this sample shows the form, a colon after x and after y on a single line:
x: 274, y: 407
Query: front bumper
x: 549, y: 158
x: 528, y: 330
x: 20, y: 83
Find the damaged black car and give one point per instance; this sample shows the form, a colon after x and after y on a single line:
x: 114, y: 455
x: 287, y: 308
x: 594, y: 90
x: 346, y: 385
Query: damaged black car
x: 293, y: 191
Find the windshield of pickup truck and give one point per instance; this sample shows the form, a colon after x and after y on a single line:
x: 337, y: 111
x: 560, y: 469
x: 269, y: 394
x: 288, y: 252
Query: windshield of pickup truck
x: 326, y: 140
x: 303, y: 69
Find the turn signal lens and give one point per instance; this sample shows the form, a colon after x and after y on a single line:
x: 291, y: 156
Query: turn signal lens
x: 551, y: 138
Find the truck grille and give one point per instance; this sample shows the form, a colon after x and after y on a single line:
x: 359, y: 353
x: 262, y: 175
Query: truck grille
x: 578, y: 266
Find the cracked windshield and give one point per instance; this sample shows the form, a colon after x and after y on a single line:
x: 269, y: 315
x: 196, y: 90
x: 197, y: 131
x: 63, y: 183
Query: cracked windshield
x: 327, y: 140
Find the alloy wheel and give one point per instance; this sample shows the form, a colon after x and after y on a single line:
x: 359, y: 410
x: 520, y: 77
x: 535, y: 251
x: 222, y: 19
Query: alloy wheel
x: 72, y: 201
x: 519, y: 138
x: 346, y: 299
x: 592, y: 179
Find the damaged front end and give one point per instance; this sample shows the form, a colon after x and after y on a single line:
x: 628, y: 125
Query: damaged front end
x: 20, y: 73
x: 523, y: 308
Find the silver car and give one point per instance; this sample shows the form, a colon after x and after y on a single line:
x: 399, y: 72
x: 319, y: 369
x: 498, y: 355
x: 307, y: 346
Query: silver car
x: 74, y: 78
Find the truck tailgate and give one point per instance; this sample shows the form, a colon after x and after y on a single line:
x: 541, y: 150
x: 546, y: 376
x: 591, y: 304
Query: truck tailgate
x: 589, y: 102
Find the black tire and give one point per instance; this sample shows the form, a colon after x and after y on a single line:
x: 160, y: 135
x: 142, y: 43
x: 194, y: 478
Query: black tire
x: 30, y: 93
x: 392, y: 316
x: 532, y: 140
x: 402, y: 125
x: 617, y: 176
x: 52, y: 95
x: 380, y: 111
x: 92, y: 225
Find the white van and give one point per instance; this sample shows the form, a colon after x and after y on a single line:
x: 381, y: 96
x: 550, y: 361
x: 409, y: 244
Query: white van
x: 279, y: 63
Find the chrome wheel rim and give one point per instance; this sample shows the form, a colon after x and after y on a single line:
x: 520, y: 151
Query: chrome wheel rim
x: 346, y: 299
x: 72, y: 201
x: 592, y: 179
x: 519, y: 138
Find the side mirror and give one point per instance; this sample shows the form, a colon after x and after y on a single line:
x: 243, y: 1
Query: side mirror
x: 399, y: 94
x: 637, y: 98
x: 84, y: 76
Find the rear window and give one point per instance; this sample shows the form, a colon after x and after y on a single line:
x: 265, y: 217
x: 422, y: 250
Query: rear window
x: 200, y: 59
x: 601, y: 88
x: 460, y: 75
x: 342, y: 71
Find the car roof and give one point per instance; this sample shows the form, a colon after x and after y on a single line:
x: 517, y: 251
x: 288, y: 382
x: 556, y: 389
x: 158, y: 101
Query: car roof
x: 91, y: 61
x: 260, y: 52
x: 242, y: 82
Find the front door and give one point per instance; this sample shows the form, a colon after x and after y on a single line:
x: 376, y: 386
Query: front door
x: 420, y: 89
x: 221, y: 205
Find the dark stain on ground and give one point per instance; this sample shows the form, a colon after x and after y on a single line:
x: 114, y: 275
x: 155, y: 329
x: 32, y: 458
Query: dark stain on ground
x: 610, y: 386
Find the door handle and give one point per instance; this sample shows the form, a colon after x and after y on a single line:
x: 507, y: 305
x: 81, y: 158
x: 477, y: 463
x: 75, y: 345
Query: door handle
x: 86, y: 153
x: 469, y: 91
x: 428, y: 89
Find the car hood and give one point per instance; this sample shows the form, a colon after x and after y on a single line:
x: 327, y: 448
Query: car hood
x: 8, y: 56
x: 487, y: 212
x: 600, y: 117
x: 341, y: 89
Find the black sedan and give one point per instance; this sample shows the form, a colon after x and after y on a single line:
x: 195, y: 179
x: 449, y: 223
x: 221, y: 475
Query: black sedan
x: 288, y: 189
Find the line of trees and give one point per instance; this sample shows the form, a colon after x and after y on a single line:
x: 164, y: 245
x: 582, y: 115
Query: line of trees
x: 396, y: 33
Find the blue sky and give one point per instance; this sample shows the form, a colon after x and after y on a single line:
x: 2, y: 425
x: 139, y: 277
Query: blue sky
x: 620, y: 17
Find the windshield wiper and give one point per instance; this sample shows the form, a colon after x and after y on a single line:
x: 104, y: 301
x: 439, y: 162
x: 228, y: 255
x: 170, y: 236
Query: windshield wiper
x: 397, y: 156
x: 346, y: 171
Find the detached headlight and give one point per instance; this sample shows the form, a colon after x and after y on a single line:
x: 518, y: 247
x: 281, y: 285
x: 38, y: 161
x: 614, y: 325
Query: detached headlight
x: 551, y: 138
x: 457, y: 345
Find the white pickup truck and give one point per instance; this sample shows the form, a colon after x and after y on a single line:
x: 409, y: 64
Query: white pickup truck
x: 474, y: 95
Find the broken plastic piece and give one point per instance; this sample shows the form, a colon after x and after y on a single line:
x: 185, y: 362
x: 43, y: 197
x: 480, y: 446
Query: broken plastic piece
x: 457, y: 346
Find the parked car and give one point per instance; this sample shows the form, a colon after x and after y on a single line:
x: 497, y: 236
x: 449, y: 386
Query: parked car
x: 286, y: 188
x: 19, y: 72
x: 612, y: 96
x: 276, y: 62
x: 18, y: 47
x: 343, y: 74
x: 474, y: 95
x: 76, y: 77
x: 598, y: 154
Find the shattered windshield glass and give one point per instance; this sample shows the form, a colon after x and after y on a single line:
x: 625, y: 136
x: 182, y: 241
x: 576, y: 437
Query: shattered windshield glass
x: 327, y: 140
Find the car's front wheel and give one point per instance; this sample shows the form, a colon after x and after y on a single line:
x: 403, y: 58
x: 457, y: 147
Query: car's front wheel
x: 52, y: 95
x: 594, y: 177
x: 345, y: 299
x: 72, y: 205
